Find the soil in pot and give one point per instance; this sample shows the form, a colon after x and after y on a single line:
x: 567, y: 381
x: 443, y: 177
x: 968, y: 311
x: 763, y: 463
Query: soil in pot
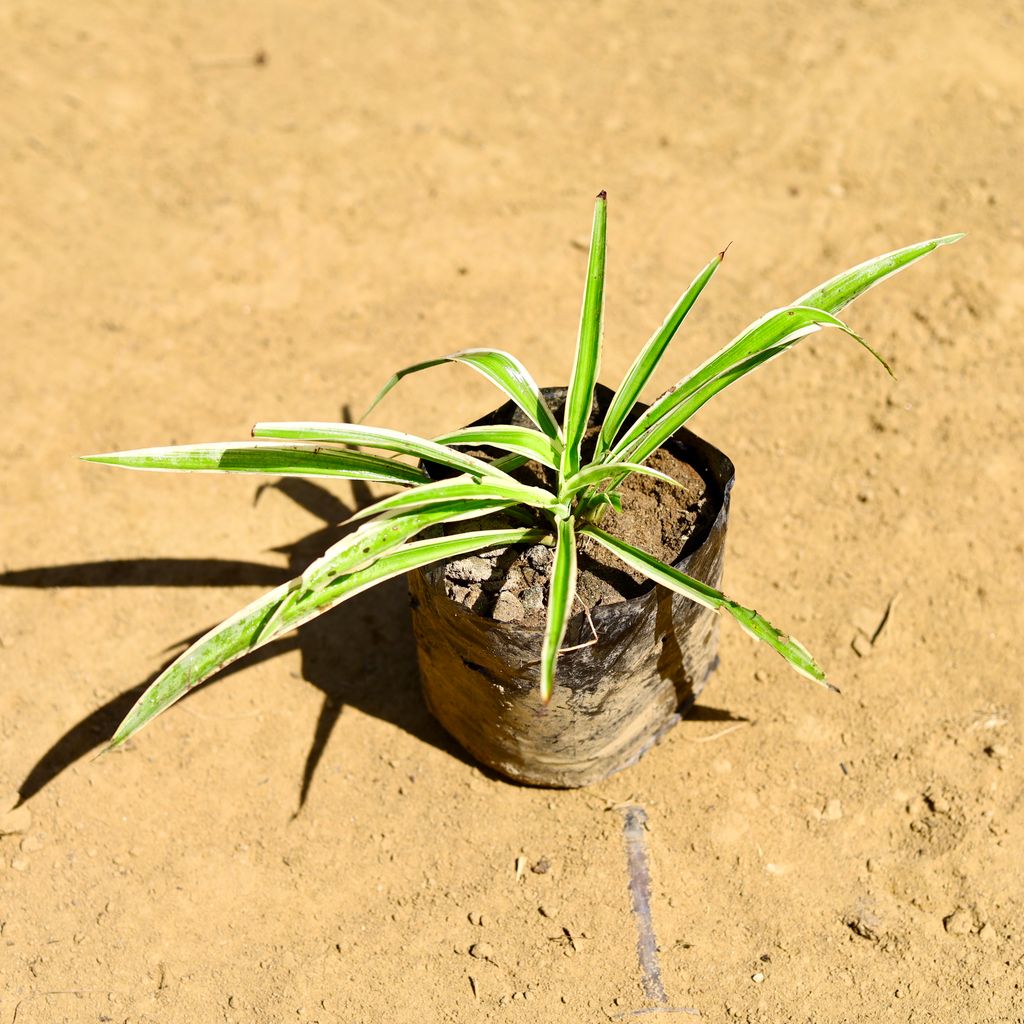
x: 511, y: 584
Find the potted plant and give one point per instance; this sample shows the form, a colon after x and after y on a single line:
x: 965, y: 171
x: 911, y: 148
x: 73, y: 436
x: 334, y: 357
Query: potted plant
x: 581, y: 690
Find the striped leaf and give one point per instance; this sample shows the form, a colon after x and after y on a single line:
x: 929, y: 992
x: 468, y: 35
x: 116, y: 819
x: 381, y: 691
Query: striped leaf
x: 461, y: 489
x: 842, y: 289
x: 519, y: 440
x: 500, y: 368
x: 266, y: 457
x: 587, y: 362
x: 595, y: 473
x: 561, y: 593
x: 650, y: 356
x: 773, y: 329
x: 326, y: 584
x: 379, y: 437
x: 756, y: 625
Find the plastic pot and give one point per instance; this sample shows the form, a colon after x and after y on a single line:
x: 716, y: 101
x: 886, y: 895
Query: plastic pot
x: 613, y: 700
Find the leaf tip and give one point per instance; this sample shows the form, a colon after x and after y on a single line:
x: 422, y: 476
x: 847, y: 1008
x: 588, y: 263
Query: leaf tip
x: 831, y: 687
x: 602, y: 196
x: 950, y: 239
x: 721, y: 255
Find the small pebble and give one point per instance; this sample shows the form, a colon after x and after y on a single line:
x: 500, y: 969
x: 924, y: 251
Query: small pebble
x: 539, y: 556
x: 987, y: 933
x: 761, y: 676
x: 542, y: 867
x: 508, y: 608
x: 481, y: 951
x: 960, y: 922
x: 476, y: 918
x: 759, y: 977
x: 19, y: 864
x: 31, y: 844
x: 548, y: 911
x: 473, y: 569
x: 533, y: 599
x: 997, y: 751
x: 833, y: 810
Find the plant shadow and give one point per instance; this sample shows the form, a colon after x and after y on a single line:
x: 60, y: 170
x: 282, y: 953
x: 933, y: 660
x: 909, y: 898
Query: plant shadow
x: 363, y: 658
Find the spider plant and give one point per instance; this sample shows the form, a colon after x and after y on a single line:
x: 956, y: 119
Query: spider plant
x: 389, y: 540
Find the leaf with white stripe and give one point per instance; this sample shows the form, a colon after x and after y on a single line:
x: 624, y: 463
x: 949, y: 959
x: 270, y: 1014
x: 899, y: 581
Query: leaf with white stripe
x: 519, y: 440
x: 756, y: 625
x: 587, y: 362
x: 773, y: 329
x: 265, y: 457
x: 842, y: 289
x: 459, y: 489
x: 503, y: 370
x: 650, y: 356
x: 597, y: 473
x: 561, y: 593
x: 379, y: 437
x: 292, y: 604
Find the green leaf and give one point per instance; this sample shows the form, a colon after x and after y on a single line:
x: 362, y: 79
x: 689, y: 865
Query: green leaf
x: 328, y: 582
x: 773, y: 330
x: 561, y: 593
x: 650, y: 356
x: 756, y: 625
x: 520, y: 440
x: 459, y: 489
x: 587, y: 363
x: 842, y: 289
x: 503, y: 370
x: 380, y: 437
x: 595, y: 473
x: 264, y: 457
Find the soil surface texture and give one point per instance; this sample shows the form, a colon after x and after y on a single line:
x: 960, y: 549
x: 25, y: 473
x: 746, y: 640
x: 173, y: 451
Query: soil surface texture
x: 511, y: 584
x: 219, y: 213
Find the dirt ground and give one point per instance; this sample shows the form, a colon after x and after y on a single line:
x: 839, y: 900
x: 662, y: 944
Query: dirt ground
x: 218, y: 212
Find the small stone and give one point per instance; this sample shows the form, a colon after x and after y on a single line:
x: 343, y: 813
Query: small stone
x: 865, y: 923
x: 533, y: 599
x: 833, y: 810
x: 549, y: 911
x: 19, y: 864
x: 18, y: 820
x: 960, y: 922
x: 987, y: 933
x: 758, y: 977
x: 997, y: 752
x: 473, y: 569
x: 761, y: 676
x: 481, y: 951
x: 861, y: 645
x: 476, y: 918
x: 539, y: 556
x: 31, y: 844
x: 508, y: 608
x: 542, y: 867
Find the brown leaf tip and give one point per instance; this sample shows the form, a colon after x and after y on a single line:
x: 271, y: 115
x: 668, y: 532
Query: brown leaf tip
x: 603, y: 195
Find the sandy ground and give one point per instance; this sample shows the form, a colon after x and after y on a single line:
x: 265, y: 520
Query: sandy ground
x: 193, y: 239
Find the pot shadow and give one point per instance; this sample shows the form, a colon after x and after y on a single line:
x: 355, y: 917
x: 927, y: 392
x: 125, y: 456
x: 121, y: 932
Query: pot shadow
x: 364, y: 657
